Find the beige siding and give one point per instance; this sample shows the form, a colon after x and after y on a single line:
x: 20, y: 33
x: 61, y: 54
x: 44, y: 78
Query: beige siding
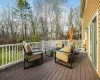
x: 92, y: 7
x: 99, y: 42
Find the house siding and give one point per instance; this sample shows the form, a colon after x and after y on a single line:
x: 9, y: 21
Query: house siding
x: 92, y: 6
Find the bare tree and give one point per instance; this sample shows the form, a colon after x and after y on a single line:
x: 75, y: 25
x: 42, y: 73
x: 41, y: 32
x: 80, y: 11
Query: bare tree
x: 77, y: 20
x: 70, y: 17
x: 50, y: 12
x: 42, y: 19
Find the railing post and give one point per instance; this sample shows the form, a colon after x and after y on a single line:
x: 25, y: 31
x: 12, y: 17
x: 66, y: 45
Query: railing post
x: 22, y: 48
x: 24, y: 42
x: 68, y: 41
x: 42, y: 45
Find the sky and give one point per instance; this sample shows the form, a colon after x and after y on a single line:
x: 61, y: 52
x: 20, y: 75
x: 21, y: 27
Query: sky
x: 72, y: 3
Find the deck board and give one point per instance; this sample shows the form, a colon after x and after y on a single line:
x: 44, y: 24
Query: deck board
x: 83, y: 70
x: 83, y: 75
x: 87, y: 74
x: 57, y: 73
x: 78, y: 69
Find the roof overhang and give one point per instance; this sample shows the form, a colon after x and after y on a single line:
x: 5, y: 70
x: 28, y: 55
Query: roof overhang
x: 82, y: 6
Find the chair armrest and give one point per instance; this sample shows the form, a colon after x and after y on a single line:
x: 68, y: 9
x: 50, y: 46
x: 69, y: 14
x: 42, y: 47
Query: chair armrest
x: 26, y: 56
x: 26, y: 53
x: 64, y: 52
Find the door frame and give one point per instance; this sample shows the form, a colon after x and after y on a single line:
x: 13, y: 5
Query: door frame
x: 96, y: 15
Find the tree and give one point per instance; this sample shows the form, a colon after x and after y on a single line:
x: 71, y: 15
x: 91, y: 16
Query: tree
x: 40, y: 21
x: 74, y: 18
x: 70, y: 17
x: 21, y: 4
x: 77, y: 20
x: 23, y: 11
x: 54, y: 12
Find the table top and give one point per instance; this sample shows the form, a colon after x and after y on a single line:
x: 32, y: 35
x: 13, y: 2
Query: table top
x: 80, y: 50
x: 50, y: 48
x: 36, y: 50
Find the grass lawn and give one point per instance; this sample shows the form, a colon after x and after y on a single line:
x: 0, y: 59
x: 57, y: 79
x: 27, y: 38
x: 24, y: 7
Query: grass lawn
x: 18, y: 56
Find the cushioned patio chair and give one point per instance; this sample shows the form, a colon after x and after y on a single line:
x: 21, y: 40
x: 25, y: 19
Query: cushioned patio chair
x: 65, y: 54
x: 32, y: 55
x: 79, y: 47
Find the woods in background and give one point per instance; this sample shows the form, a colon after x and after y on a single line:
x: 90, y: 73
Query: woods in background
x: 40, y: 20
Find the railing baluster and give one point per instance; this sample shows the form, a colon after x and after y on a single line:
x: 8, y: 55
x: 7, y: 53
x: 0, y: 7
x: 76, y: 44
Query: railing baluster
x: 2, y: 55
x: 22, y: 52
x: 17, y: 52
x: 6, y: 55
x: 9, y: 54
x: 12, y: 54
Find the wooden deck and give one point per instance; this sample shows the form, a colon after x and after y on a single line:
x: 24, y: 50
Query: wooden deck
x: 83, y: 70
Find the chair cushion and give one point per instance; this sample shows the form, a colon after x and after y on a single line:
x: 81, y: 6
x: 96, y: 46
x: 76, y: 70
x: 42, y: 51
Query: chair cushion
x: 59, y: 44
x: 34, y: 56
x: 66, y: 49
x: 27, y: 48
x: 62, y: 56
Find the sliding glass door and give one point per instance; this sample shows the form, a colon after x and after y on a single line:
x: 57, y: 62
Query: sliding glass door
x: 93, y: 42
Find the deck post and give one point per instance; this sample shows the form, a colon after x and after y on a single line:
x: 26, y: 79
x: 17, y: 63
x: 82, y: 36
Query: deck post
x: 23, y: 44
x: 43, y: 46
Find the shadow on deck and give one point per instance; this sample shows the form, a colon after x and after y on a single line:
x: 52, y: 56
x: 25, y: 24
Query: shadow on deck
x: 83, y: 70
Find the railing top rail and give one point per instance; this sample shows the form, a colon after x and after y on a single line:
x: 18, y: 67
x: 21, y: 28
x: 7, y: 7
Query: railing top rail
x: 10, y: 44
x: 34, y: 42
x: 31, y: 43
x: 17, y: 44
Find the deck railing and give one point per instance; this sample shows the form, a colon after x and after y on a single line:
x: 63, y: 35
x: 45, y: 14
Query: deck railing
x: 10, y: 53
x: 13, y: 53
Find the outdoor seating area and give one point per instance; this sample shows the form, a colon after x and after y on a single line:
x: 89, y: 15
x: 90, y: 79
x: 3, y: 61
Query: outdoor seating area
x: 60, y: 52
x: 67, y: 63
x: 49, y: 39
